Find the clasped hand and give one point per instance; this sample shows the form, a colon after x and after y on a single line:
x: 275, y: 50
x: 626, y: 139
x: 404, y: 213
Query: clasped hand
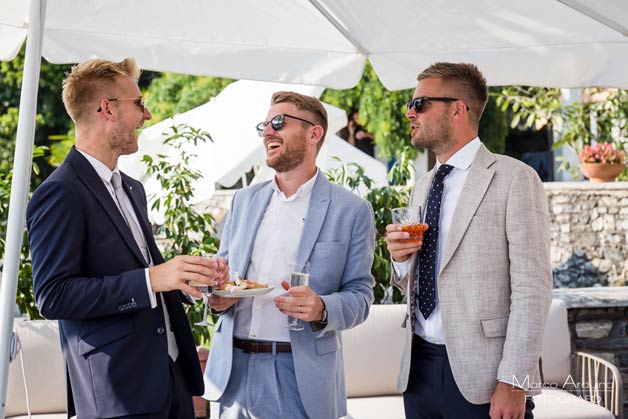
x: 179, y: 271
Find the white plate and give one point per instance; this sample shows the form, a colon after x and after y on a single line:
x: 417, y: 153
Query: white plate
x: 243, y: 293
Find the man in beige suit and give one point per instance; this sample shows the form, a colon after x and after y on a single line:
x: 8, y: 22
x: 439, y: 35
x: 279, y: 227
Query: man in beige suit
x: 478, y: 284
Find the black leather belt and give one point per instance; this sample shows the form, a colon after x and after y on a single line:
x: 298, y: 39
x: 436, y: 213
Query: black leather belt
x: 260, y: 346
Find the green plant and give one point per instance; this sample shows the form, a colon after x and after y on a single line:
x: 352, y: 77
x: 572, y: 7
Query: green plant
x: 538, y: 106
x: 185, y: 231
x: 352, y: 176
x: 382, y: 112
x: 24, y: 298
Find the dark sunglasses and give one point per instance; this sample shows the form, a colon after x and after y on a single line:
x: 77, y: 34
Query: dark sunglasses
x: 419, y: 103
x: 139, y: 101
x: 277, y: 123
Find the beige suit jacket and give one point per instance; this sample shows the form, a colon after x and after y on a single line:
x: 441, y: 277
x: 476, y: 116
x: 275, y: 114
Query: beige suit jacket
x: 495, y: 278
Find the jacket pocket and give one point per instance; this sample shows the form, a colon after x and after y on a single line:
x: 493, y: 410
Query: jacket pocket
x: 327, y: 344
x: 495, y: 327
x: 104, y: 336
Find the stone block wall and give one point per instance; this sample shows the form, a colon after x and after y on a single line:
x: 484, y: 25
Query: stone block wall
x: 598, y: 324
x: 589, y: 232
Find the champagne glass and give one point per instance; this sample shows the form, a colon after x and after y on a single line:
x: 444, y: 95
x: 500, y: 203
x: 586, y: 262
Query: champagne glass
x: 411, y: 220
x: 206, y: 291
x: 300, y: 275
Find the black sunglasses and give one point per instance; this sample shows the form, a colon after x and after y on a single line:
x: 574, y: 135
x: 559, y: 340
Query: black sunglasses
x: 419, y: 103
x: 139, y: 101
x: 277, y: 122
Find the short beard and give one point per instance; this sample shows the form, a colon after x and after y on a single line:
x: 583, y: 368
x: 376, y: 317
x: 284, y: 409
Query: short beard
x: 437, y: 138
x: 292, y: 155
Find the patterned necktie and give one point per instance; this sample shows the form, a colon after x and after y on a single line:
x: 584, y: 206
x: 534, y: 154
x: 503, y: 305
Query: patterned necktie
x: 425, y: 275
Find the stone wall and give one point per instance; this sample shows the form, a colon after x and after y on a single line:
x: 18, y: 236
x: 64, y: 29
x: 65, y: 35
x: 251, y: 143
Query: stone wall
x: 598, y: 319
x: 589, y: 232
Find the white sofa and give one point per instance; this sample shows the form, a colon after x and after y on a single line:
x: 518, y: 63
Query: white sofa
x: 372, y: 353
x: 44, y: 371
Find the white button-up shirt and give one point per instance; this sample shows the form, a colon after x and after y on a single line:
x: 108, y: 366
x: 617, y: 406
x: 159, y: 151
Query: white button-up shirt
x: 274, y: 249
x: 432, y: 329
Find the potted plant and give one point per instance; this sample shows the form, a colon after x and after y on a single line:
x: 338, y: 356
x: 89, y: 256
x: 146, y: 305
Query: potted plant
x: 601, y: 162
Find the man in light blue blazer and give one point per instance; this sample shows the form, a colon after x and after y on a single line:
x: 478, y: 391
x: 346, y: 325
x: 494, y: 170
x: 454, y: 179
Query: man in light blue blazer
x: 258, y: 368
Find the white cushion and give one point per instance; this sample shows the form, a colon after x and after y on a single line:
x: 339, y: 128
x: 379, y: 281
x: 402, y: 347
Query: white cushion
x: 45, y: 374
x: 559, y: 404
x: 372, y: 352
x: 556, y: 354
x: 388, y: 407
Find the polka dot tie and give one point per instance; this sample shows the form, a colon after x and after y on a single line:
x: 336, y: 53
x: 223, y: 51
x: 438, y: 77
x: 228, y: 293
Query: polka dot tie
x: 425, y: 274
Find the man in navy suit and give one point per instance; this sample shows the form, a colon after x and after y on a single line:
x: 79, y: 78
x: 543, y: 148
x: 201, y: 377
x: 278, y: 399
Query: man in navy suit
x: 128, y: 347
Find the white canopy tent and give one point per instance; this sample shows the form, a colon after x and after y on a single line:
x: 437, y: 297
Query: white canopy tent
x: 563, y: 43
x: 236, y: 147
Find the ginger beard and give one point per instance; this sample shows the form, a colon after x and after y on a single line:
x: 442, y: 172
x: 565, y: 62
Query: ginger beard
x: 289, y: 154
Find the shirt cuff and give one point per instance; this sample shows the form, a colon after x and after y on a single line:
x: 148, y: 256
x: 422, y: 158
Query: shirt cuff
x: 518, y: 385
x: 151, y: 295
x: 401, y: 268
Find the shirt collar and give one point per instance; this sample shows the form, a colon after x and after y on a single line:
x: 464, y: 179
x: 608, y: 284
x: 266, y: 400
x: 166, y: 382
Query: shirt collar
x: 103, y: 171
x: 303, y: 190
x: 464, y: 157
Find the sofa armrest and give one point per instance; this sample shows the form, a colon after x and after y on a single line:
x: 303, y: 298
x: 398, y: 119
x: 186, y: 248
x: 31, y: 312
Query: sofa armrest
x: 599, y: 382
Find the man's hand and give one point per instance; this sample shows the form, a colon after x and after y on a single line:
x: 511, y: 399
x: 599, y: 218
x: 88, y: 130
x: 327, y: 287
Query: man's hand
x: 508, y: 402
x: 220, y: 304
x: 221, y: 272
x: 178, y: 272
x: 303, y: 303
x: 399, y: 247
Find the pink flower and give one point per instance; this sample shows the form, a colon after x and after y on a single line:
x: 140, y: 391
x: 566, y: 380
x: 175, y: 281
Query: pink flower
x: 601, y: 153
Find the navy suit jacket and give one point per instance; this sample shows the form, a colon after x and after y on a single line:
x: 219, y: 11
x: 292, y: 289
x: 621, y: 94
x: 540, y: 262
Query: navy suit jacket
x: 88, y: 273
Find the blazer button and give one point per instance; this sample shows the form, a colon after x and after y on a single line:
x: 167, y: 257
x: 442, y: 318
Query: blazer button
x: 161, y: 330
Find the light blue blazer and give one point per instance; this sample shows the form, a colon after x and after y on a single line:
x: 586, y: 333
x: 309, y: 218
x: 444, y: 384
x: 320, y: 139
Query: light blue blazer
x: 338, y: 240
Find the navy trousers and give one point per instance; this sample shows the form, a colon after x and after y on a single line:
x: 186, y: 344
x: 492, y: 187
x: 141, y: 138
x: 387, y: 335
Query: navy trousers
x: 432, y: 392
x: 179, y: 404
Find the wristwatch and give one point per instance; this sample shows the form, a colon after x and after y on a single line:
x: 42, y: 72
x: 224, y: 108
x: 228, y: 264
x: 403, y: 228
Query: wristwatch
x: 324, y: 317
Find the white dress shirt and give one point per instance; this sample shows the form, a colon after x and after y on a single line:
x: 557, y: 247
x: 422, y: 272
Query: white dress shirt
x: 432, y: 329
x: 105, y: 175
x: 274, y: 249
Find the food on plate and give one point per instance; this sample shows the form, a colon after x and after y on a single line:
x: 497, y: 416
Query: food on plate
x: 243, y: 284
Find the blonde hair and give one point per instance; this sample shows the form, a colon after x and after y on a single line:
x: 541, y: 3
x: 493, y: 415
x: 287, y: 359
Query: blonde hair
x: 89, y: 82
x: 305, y: 103
x: 468, y: 83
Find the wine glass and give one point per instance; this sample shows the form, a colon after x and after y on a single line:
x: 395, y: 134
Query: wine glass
x: 300, y: 275
x: 206, y: 291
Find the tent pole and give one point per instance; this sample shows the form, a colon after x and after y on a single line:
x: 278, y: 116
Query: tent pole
x: 19, y: 186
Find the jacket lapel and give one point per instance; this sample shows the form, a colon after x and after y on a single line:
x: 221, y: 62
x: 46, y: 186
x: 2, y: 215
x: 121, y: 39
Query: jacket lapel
x: 475, y: 186
x: 88, y: 176
x: 253, y: 217
x: 317, y: 210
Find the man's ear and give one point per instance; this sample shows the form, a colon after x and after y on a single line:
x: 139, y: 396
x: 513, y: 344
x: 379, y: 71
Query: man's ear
x: 106, y: 110
x: 316, y: 134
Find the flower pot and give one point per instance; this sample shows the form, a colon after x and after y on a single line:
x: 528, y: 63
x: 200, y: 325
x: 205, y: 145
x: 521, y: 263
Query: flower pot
x: 200, y: 404
x: 602, y: 172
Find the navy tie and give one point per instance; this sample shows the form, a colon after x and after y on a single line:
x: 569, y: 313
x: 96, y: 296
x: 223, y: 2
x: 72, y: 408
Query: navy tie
x: 425, y: 275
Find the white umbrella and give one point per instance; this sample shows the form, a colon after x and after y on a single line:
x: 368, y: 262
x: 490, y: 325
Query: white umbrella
x: 230, y: 118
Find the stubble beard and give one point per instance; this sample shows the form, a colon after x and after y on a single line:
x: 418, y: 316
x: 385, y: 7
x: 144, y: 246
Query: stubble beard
x: 437, y: 137
x: 123, y: 142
